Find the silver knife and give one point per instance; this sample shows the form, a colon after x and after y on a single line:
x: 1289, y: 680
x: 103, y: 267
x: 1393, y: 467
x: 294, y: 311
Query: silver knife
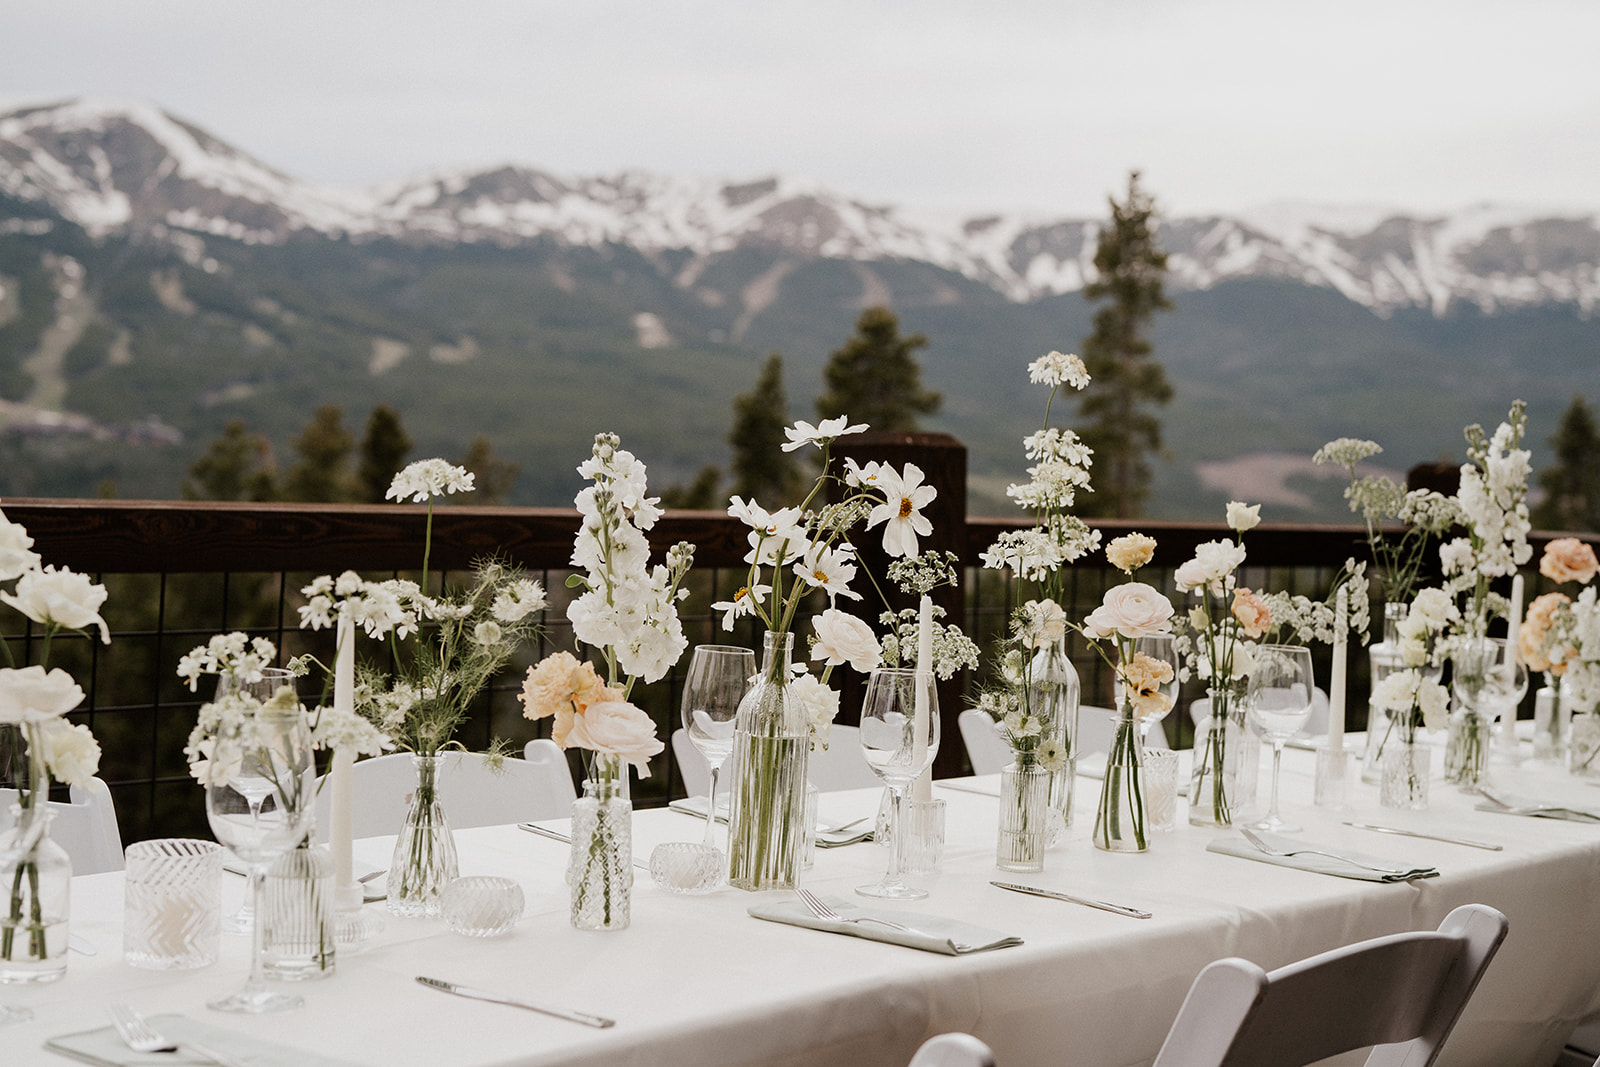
x: 1430, y: 837
x: 598, y: 1021
x: 1103, y: 905
x: 563, y: 838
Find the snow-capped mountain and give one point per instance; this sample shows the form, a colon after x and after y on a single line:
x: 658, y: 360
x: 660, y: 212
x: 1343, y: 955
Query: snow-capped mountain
x: 113, y: 166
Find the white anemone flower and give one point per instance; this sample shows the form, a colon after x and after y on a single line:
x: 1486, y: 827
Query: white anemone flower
x: 901, y: 511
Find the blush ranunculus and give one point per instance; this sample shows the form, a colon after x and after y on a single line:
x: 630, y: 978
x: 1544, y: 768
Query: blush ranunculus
x: 1252, y: 612
x: 1131, y: 610
x: 617, y: 728
x: 1567, y: 559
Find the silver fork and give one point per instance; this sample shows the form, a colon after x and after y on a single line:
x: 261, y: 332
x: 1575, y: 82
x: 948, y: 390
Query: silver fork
x: 822, y: 911
x: 1270, y: 851
x: 140, y: 1036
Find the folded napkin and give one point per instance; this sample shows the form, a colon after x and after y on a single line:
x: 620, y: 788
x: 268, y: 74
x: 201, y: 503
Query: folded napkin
x: 1511, y: 804
x: 1339, y: 868
x: 930, y: 933
x: 696, y: 806
x: 102, y: 1046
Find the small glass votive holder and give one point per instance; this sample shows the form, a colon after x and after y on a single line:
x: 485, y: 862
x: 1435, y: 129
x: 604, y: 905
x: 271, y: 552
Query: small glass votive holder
x: 922, y: 823
x: 687, y: 866
x: 172, y: 904
x: 1334, y: 769
x: 1161, y: 789
x: 482, y: 905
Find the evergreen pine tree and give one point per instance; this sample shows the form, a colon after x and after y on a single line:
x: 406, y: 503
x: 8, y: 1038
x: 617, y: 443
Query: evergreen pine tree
x: 324, y: 447
x: 236, y: 466
x: 762, y: 470
x: 875, y: 379
x: 1572, y: 486
x: 699, y: 495
x: 384, y: 446
x: 492, y: 477
x: 1124, y: 379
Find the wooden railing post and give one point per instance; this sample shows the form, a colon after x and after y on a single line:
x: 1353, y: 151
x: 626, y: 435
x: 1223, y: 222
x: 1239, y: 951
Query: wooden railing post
x: 943, y: 462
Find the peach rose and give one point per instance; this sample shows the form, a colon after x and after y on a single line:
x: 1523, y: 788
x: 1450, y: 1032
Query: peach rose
x: 1535, y: 632
x: 559, y: 685
x: 1132, y: 610
x: 1142, y: 678
x: 616, y: 728
x: 1252, y: 612
x: 1567, y: 559
x: 1130, y: 552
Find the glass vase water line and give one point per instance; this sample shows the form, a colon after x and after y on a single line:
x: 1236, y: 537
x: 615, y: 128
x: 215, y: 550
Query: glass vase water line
x: 600, y: 866
x: 298, y: 924
x: 1216, y: 783
x: 1025, y: 817
x: 424, y: 859
x: 767, y: 794
x: 1119, y: 821
x: 1053, y: 694
x: 35, y: 872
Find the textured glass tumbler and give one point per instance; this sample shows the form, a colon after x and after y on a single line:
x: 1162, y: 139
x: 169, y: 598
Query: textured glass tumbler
x: 482, y: 905
x: 172, y: 913
x: 1161, y: 789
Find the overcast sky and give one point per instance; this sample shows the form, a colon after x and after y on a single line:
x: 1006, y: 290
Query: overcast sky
x: 984, y: 105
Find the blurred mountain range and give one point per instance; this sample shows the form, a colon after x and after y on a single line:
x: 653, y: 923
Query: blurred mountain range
x: 155, y: 282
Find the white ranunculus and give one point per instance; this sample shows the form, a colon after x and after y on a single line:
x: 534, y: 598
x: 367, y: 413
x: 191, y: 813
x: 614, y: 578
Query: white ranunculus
x: 1242, y: 517
x: 843, y: 638
x: 821, y: 704
x: 65, y: 598
x: 16, y: 559
x: 29, y: 694
x: 70, y: 751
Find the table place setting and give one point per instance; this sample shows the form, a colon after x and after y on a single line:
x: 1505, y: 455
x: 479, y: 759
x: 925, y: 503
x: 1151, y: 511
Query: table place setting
x: 1503, y: 803
x: 178, y: 1041
x: 929, y: 933
x: 1284, y: 851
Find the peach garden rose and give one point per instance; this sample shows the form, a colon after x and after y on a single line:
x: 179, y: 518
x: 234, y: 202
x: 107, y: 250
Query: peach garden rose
x: 1567, y: 559
x: 1131, y: 610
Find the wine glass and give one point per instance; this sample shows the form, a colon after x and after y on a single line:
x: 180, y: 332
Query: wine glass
x: 899, y: 738
x: 717, y: 679
x: 1491, y: 677
x: 268, y: 745
x: 1162, y: 649
x: 1281, y: 685
x: 254, y: 788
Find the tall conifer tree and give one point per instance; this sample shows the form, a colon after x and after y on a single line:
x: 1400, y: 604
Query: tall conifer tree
x: 875, y: 379
x: 1572, y: 486
x: 762, y: 470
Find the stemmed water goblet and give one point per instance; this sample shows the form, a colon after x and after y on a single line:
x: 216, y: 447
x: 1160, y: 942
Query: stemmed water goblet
x: 1281, y: 685
x: 1491, y: 678
x: 255, y: 745
x: 716, y: 681
x: 899, y: 738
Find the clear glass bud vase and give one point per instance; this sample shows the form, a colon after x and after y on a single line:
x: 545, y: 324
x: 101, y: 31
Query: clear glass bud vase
x: 1026, y: 817
x: 600, y: 867
x: 424, y: 860
x: 297, y: 933
x: 1119, y: 822
x: 1053, y: 694
x: 767, y: 804
x: 1466, y: 749
x: 1404, y: 784
x: 1222, y: 764
x: 1583, y: 743
x: 36, y: 894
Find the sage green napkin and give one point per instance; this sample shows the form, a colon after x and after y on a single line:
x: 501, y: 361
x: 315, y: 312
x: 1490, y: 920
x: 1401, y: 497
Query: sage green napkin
x: 930, y: 933
x: 1511, y: 804
x: 102, y: 1046
x: 1339, y: 868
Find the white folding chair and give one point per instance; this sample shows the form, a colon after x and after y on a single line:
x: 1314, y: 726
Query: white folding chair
x: 1200, y: 708
x: 539, y: 786
x: 839, y: 766
x: 85, y: 826
x: 953, y: 1050
x: 1402, y: 993
x: 987, y: 751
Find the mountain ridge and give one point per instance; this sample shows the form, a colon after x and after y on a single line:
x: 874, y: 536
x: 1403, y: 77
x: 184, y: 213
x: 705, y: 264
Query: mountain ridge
x: 119, y: 166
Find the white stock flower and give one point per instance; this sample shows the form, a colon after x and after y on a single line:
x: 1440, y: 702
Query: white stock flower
x: 63, y: 598
x: 71, y: 752
x: 427, y: 478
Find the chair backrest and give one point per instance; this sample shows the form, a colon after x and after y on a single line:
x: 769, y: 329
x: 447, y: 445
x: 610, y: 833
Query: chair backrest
x: 953, y: 1050
x: 1402, y: 993
x: 839, y: 766
x: 85, y: 826
x: 472, y: 792
x: 988, y: 752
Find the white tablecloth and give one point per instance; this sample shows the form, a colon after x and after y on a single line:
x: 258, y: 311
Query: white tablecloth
x: 696, y: 981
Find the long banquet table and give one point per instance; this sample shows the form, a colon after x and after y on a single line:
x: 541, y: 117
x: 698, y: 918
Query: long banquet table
x: 695, y: 980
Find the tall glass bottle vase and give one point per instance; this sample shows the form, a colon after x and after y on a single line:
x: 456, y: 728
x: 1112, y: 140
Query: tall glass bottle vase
x: 600, y: 868
x: 1119, y: 821
x: 1025, y: 817
x: 1385, y: 658
x: 1221, y: 764
x: 1053, y: 694
x: 37, y: 888
x: 424, y: 859
x: 767, y: 801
